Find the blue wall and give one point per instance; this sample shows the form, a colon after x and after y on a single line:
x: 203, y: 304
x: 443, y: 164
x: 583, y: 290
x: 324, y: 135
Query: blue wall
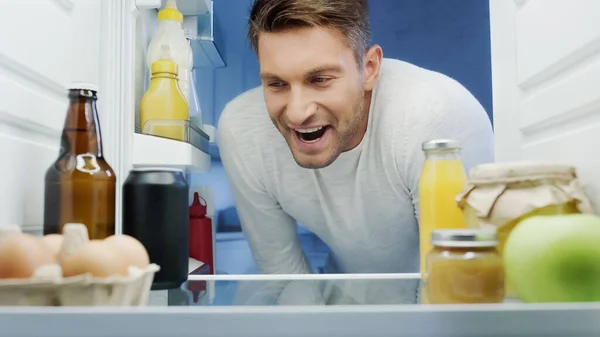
x: 241, y: 72
x: 451, y: 37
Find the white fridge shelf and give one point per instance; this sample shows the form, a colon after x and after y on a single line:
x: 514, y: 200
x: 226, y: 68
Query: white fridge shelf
x: 573, y: 320
x: 152, y: 151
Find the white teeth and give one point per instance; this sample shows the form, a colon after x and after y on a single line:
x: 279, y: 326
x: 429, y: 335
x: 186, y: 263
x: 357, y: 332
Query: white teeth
x: 309, y: 130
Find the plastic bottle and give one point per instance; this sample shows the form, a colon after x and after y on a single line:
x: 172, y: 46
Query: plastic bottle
x: 170, y: 33
x: 201, y: 242
x: 164, y: 100
x: 193, y: 101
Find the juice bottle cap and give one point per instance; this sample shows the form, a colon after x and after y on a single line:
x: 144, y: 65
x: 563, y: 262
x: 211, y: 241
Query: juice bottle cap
x: 441, y: 144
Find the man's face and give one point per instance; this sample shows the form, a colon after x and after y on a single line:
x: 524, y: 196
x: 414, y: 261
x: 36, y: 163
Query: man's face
x: 314, y: 92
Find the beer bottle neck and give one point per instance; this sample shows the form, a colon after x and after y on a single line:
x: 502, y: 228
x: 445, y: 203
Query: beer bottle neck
x: 81, y: 132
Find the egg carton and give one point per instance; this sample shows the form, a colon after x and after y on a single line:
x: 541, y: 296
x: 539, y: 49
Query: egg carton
x: 47, y: 287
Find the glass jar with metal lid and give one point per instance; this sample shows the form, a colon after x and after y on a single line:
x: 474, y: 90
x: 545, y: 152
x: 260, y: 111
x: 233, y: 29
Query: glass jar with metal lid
x: 464, y: 267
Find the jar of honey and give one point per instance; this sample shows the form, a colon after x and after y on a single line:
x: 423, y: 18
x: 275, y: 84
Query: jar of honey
x: 464, y: 267
x: 501, y: 195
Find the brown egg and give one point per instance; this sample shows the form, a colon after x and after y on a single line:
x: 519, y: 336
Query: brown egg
x: 130, y: 250
x: 97, y: 258
x: 21, y: 254
x: 53, y: 242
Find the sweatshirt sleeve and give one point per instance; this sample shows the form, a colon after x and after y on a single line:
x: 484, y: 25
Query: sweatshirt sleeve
x: 271, y: 233
x: 451, y: 111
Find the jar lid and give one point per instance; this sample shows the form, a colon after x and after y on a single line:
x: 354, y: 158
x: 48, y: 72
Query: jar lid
x: 517, y: 171
x: 441, y: 144
x: 464, y: 238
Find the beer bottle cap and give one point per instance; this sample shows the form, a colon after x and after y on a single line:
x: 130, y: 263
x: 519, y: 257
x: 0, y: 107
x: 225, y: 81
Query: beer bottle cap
x: 83, y: 86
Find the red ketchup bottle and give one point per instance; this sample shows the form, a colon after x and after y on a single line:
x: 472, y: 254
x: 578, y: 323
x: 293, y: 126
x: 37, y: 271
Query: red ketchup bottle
x: 201, y: 240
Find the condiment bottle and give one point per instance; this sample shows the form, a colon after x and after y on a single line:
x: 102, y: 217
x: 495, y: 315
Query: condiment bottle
x: 80, y: 184
x: 164, y: 100
x: 192, y: 98
x: 442, y: 178
x: 464, y: 267
x: 170, y: 33
x: 201, y: 238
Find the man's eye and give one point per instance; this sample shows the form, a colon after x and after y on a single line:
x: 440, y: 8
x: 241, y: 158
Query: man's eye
x: 276, y: 84
x: 320, y: 80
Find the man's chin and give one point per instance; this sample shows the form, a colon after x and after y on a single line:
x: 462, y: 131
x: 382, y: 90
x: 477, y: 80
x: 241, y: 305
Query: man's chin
x: 316, y: 161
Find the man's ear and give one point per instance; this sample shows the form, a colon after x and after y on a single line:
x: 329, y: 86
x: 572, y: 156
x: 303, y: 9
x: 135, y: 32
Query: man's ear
x: 372, y: 64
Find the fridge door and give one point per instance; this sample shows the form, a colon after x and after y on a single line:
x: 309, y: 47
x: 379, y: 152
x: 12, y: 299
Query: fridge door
x: 44, y: 45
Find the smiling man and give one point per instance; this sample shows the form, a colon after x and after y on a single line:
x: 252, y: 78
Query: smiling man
x: 332, y: 139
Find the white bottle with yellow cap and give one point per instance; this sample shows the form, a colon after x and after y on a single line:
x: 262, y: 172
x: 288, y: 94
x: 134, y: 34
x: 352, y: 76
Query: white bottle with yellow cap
x: 170, y: 33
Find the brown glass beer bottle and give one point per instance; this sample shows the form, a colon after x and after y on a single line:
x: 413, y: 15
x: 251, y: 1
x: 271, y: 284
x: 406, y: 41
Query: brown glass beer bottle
x: 80, y: 184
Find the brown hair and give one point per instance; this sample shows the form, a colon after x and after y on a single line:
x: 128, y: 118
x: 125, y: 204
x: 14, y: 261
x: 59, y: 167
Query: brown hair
x: 350, y: 18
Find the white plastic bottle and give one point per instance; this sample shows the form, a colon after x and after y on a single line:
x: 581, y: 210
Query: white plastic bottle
x: 194, y: 100
x: 170, y: 33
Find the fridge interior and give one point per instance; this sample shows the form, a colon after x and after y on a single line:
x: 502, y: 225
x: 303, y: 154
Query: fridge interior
x: 35, y: 71
x: 219, y: 82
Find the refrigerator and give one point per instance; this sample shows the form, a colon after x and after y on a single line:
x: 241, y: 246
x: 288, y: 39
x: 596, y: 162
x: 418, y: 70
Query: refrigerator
x: 545, y: 78
x: 45, y: 45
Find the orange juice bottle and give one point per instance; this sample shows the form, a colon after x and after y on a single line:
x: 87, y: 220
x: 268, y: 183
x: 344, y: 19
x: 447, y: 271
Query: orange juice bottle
x: 442, y: 178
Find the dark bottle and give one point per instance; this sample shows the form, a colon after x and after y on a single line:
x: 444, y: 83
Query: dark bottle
x: 80, y: 185
x: 155, y: 211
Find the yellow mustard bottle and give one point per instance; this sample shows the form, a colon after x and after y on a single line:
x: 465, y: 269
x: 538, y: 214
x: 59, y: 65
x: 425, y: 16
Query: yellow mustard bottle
x: 164, y: 101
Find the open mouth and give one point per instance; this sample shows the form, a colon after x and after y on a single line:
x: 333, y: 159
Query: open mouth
x: 311, y: 135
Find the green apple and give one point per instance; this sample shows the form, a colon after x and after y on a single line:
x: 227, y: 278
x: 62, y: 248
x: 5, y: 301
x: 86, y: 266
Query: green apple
x: 555, y: 258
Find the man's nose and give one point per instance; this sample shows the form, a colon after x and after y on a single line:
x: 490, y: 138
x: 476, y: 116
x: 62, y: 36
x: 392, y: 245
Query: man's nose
x: 300, y: 108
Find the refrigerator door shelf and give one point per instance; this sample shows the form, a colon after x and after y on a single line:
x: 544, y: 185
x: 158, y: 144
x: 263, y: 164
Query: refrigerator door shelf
x: 207, y: 43
x: 153, y: 151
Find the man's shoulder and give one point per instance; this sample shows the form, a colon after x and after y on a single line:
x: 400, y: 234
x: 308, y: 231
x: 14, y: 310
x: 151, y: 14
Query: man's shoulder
x: 245, y: 128
x: 246, y: 117
x: 416, y: 102
x: 247, y: 107
x: 406, y: 80
x: 418, y: 95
